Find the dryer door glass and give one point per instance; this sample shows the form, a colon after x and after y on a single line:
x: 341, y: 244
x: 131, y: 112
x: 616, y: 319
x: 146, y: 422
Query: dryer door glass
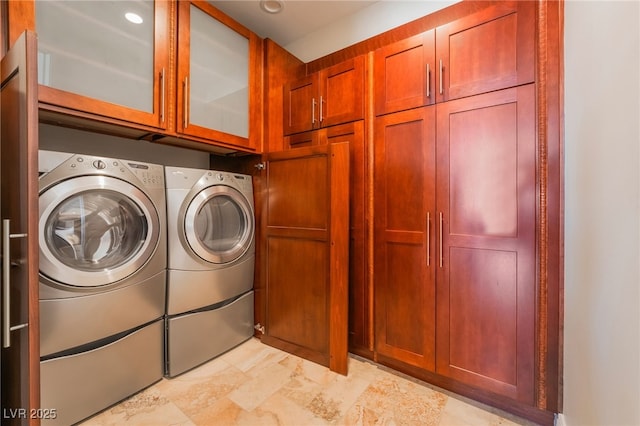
x: 219, y: 224
x: 96, y: 230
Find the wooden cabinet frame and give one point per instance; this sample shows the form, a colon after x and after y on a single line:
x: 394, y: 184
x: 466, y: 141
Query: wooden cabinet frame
x: 164, y: 125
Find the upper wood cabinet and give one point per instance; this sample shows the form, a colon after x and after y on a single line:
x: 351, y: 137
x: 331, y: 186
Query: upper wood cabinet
x: 181, y: 70
x: 404, y: 74
x: 93, y: 59
x: 488, y: 50
x: 218, y: 76
x: 332, y: 96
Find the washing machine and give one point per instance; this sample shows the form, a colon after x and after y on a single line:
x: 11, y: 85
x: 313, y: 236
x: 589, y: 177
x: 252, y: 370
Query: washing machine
x: 102, y: 231
x: 210, y: 266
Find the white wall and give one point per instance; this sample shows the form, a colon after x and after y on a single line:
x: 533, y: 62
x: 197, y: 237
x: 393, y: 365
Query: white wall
x: 370, y: 21
x: 602, y: 184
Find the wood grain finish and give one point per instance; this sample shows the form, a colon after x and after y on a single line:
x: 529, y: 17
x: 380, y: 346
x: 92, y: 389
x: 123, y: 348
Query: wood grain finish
x: 450, y: 61
x: 359, y: 311
x: 306, y: 231
x: 301, y: 99
x: 326, y: 98
x: 353, y: 134
x: 404, y: 267
x: 486, y: 180
x: 404, y: 74
x: 507, y: 30
x: 19, y: 204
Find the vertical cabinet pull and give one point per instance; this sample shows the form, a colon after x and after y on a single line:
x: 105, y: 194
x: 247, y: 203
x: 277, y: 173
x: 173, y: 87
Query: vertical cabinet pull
x: 441, y: 85
x: 186, y: 103
x: 321, y: 102
x: 313, y: 111
x: 428, y: 81
x: 428, y: 239
x: 6, y: 283
x: 162, y: 96
x: 440, y: 239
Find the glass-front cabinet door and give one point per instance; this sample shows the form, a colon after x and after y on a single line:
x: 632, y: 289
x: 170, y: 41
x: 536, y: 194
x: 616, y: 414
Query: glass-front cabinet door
x: 108, y: 58
x: 215, y: 63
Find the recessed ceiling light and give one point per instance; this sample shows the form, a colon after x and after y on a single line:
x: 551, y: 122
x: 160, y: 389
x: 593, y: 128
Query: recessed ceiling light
x: 133, y: 17
x: 272, y: 6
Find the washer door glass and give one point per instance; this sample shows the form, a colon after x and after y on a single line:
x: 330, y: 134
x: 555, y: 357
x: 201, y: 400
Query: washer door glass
x: 219, y: 224
x: 95, y: 231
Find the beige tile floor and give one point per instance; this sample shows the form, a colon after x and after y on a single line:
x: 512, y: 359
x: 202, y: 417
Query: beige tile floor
x: 257, y: 385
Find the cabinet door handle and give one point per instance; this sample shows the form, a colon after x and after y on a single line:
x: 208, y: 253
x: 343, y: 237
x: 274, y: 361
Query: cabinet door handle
x: 441, y: 240
x: 6, y: 283
x: 162, y: 96
x: 428, y: 81
x: 313, y: 111
x: 186, y: 103
x: 441, y: 84
x: 428, y: 239
x: 321, y: 102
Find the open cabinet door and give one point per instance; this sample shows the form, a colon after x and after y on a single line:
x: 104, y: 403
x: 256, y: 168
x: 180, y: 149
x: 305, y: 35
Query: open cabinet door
x: 307, y: 253
x: 19, y: 208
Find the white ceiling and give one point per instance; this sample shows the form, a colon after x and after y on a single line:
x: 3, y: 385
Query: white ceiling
x: 298, y: 17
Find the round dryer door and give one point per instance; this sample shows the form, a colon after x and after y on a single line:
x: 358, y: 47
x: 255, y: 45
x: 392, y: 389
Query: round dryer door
x: 95, y: 231
x: 219, y: 224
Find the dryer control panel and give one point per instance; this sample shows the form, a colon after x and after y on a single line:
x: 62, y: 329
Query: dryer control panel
x: 151, y: 175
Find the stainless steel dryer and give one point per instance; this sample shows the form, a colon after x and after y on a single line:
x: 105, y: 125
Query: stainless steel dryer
x: 211, y: 259
x: 102, y: 231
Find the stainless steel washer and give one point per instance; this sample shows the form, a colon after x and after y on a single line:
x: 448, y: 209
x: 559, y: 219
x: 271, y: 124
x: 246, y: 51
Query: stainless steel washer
x: 211, y: 259
x: 102, y: 230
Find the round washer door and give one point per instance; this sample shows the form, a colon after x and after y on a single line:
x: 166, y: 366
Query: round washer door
x: 218, y: 224
x: 95, y: 231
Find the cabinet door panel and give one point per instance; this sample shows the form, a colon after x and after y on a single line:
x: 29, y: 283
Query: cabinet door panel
x: 359, y: 303
x: 404, y: 74
x: 486, y: 148
x: 342, y: 93
x: 90, y: 58
x: 404, y: 206
x: 218, y: 77
x: 20, y: 351
x: 306, y: 259
x: 489, y: 50
x: 300, y: 105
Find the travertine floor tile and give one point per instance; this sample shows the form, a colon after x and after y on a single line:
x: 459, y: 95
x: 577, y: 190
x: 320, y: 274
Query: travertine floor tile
x: 256, y: 385
x: 457, y: 412
x: 147, y: 408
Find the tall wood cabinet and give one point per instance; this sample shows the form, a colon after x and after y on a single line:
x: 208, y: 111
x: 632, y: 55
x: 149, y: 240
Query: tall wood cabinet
x: 485, y: 237
x: 455, y: 204
x: 404, y: 239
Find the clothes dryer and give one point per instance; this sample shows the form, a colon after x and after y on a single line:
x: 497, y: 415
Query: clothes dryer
x: 102, y: 230
x: 211, y: 258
